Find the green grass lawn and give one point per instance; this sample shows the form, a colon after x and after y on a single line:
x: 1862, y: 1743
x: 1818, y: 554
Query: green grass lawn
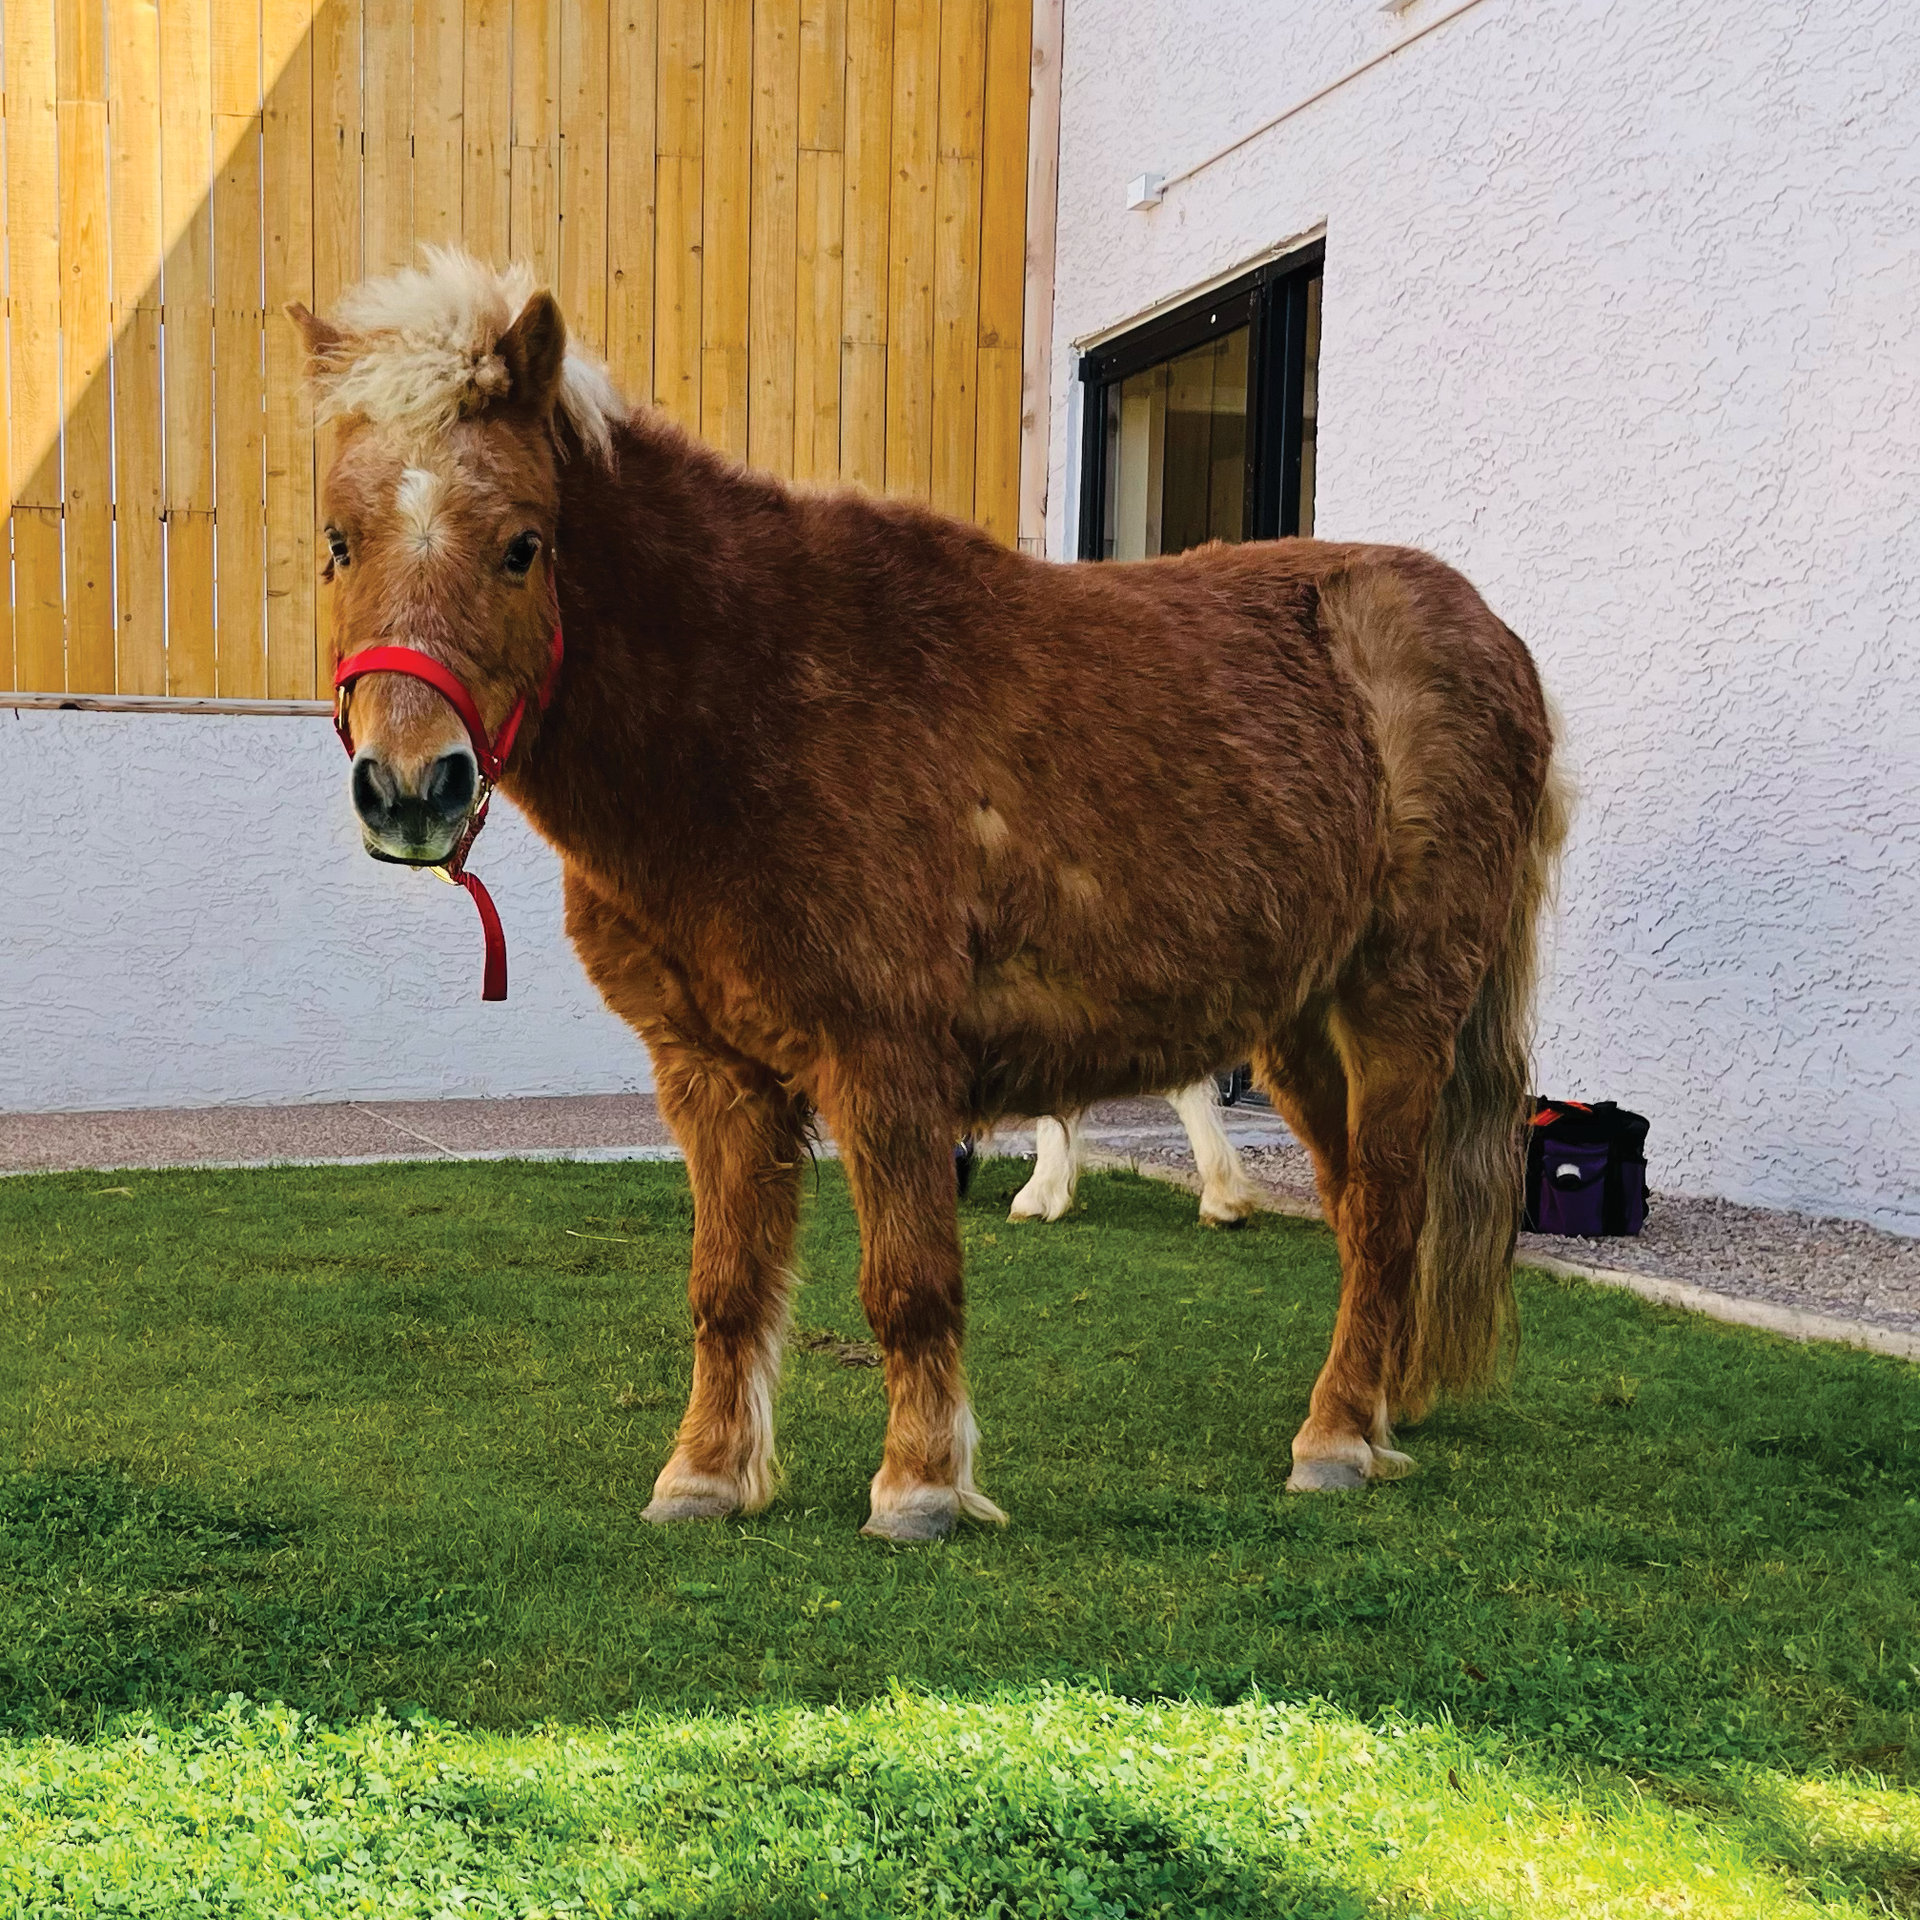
x: 373, y: 1443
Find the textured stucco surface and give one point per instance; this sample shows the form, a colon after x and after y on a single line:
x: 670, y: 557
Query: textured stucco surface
x: 1620, y: 318
x: 190, y: 921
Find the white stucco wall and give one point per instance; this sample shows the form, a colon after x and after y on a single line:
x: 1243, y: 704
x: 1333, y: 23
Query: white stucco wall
x: 1622, y: 317
x: 189, y: 920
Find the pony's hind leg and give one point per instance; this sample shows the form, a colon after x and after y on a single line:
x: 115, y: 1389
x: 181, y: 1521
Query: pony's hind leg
x: 899, y: 1165
x: 1226, y: 1195
x: 1056, y: 1171
x: 1302, y: 1075
x: 1374, y: 1189
x: 745, y: 1139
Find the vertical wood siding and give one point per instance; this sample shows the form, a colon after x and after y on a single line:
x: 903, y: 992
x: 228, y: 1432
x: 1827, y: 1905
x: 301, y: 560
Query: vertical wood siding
x: 797, y: 226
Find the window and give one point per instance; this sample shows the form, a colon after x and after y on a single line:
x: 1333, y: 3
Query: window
x: 1200, y: 425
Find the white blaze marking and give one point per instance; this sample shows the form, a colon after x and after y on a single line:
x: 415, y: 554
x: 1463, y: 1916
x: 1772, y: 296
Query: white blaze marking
x: 417, y: 501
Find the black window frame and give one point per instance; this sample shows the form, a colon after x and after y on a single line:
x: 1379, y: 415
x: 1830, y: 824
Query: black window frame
x: 1271, y: 302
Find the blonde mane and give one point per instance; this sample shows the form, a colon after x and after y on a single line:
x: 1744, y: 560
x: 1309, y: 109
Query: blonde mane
x: 420, y: 351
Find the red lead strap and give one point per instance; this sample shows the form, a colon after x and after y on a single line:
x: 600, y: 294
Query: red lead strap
x: 491, y: 754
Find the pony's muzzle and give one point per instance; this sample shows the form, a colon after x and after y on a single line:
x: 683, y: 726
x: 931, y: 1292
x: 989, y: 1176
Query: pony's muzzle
x: 414, y: 820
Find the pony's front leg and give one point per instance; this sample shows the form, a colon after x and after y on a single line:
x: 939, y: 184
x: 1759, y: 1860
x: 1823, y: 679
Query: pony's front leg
x: 744, y: 1137
x: 1056, y: 1170
x: 901, y: 1169
x: 1226, y: 1195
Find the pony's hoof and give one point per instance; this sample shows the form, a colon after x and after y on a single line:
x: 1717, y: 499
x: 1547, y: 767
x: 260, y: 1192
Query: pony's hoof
x: 1226, y: 1209
x: 910, y: 1525
x: 1029, y: 1205
x: 1333, y: 1474
x: 1325, y: 1476
x: 662, y: 1511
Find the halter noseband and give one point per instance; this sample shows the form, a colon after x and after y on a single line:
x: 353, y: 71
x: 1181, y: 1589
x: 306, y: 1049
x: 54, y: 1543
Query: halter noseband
x: 491, y: 754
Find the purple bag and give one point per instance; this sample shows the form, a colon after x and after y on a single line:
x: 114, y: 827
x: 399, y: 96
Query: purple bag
x: 1572, y: 1187
x: 1586, y: 1169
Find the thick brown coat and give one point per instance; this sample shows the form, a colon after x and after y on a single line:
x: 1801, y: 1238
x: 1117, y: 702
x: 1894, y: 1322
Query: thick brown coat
x: 865, y: 816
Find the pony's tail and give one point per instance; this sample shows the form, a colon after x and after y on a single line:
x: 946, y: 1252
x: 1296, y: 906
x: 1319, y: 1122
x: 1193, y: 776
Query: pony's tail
x: 1464, y: 1329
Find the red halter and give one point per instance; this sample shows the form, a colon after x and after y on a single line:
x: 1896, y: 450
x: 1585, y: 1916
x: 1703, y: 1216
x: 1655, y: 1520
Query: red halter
x: 492, y: 756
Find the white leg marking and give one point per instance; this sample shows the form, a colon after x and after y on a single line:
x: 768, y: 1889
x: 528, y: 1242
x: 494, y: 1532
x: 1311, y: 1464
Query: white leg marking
x: 684, y: 1493
x: 926, y: 1512
x: 966, y: 1441
x: 1325, y: 1466
x: 1226, y: 1197
x: 759, y: 1466
x: 1056, y: 1172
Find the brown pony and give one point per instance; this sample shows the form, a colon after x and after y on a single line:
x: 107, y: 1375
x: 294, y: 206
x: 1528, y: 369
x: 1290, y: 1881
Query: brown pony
x: 864, y: 816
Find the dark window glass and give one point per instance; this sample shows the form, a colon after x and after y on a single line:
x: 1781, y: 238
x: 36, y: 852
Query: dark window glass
x: 1309, y: 403
x: 1201, y: 424
x: 1177, y: 452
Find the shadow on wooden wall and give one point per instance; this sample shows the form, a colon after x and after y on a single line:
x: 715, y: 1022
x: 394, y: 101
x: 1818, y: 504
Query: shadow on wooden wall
x: 799, y: 226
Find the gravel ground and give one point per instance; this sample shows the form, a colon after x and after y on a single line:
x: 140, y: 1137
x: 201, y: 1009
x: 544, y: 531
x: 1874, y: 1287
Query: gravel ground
x: 1835, y: 1267
x: 1838, y: 1267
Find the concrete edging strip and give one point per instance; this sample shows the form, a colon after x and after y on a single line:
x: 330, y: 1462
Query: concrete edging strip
x: 1768, y: 1316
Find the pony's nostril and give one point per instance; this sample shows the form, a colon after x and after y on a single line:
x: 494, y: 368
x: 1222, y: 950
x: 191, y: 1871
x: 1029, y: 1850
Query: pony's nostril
x: 451, y: 784
x: 374, y: 791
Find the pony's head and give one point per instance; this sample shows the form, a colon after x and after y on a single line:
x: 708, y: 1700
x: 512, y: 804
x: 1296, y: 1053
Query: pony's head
x: 448, y: 385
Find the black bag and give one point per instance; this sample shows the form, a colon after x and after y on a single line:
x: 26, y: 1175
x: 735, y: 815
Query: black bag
x: 1586, y: 1169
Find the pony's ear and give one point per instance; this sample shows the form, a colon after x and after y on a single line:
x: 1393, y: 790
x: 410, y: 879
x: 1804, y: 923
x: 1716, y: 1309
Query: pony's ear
x: 322, y: 337
x: 534, y: 349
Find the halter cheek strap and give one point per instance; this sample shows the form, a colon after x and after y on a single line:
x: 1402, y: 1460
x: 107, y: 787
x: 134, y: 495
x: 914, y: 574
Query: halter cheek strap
x: 491, y: 753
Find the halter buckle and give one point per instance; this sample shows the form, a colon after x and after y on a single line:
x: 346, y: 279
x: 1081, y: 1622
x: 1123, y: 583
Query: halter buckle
x: 453, y: 867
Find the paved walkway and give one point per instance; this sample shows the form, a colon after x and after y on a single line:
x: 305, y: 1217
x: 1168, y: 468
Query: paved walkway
x: 1813, y: 1278
x: 609, y: 1126
x: 613, y: 1124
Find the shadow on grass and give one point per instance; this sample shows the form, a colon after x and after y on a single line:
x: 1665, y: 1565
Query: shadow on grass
x: 126, y: 1597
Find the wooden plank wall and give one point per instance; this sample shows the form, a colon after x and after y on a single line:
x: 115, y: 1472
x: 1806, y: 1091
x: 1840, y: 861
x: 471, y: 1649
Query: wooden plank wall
x: 798, y: 226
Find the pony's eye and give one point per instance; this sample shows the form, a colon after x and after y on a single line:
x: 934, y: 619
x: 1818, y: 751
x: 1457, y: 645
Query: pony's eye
x: 520, y: 551
x: 337, y: 546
